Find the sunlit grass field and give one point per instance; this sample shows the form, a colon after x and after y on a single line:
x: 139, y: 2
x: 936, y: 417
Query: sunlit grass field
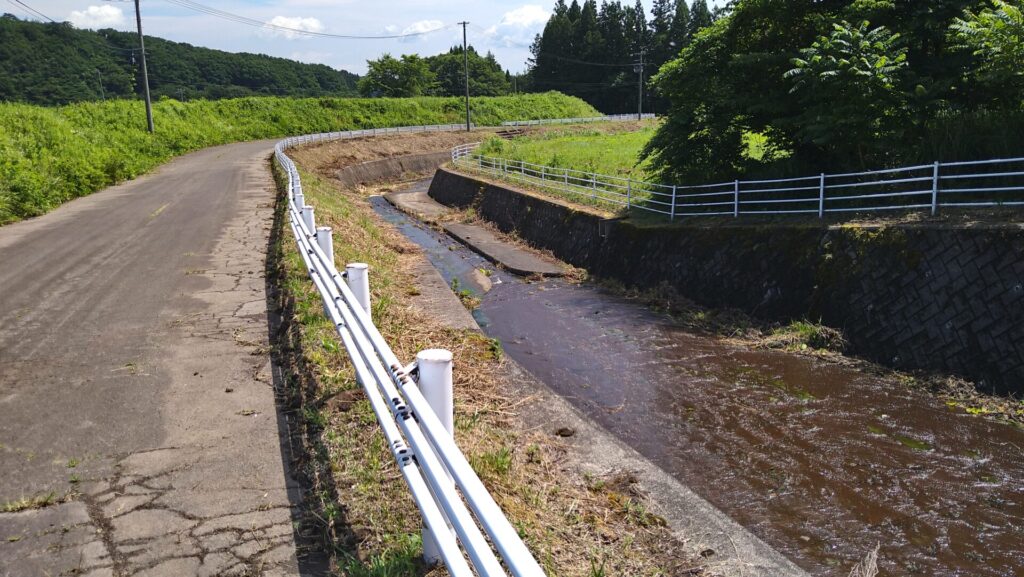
x: 590, y: 149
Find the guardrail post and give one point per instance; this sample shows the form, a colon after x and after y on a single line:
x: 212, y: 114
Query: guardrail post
x: 736, y: 199
x: 821, y: 197
x: 307, y: 217
x: 358, y: 279
x: 935, y: 189
x: 435, y: 368
x: 629, y: 192
x: 672, y: 211
x: 300, y: 200
x: 325, y: 239
x: 593, y: 185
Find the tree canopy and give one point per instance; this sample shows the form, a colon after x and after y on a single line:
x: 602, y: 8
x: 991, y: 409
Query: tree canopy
x: 594, y: 52
x: 440, y: 75
x: 837, y: 84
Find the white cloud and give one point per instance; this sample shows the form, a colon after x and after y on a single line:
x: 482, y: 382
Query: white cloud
x: 295, y: 23
x: 420, y: 27
x: 97, y: 17
x: 518, y: 27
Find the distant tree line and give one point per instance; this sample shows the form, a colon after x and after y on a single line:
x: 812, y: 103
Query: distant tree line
x: 55, y: 63
x: 440, y: 75
x: 828, y: 85
x: 594, y: 52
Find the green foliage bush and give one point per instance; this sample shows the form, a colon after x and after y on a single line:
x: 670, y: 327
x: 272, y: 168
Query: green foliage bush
x: 51, y: 155
x: 907, y: 82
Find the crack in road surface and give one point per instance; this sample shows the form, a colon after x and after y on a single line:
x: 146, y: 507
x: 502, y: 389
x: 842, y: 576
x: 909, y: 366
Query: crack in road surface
x: 143, y: 392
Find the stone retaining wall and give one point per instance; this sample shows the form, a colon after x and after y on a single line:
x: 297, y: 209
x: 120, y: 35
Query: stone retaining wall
x: 943, y: 298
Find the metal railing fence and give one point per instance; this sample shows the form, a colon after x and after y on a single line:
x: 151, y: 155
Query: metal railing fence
x: 970, y: 184
x: 461, y: 518
x: 584, y: 120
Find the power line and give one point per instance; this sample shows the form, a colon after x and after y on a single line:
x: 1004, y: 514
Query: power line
x: 574, y: 61
x: 239, y: 19
x: 32, y: 10
x: 20, y: 9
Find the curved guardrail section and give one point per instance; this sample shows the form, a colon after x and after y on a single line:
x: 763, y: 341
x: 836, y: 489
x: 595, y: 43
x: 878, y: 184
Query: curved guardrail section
x: 972, y: 184
x: 460, y: 514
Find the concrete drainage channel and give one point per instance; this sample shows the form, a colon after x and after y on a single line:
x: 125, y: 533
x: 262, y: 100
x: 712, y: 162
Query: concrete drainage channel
x: 728, y: 548
x: 821, y: 461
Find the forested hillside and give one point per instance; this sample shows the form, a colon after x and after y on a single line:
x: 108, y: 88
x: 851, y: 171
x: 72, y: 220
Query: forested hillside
x: 594, y: 53
x: 55, y: 63
x: 830, y: 85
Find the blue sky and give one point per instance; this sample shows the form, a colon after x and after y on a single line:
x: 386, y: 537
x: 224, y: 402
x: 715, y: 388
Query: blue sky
x: 506, y: 28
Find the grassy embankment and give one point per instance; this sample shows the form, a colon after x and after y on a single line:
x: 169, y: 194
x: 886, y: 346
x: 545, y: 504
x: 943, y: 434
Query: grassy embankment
x: 575, y: 524
x: 51, y: 155
x: 610, y: 149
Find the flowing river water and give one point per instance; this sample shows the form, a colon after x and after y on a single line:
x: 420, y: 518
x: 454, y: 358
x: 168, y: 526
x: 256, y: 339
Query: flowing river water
x: 821, y: 461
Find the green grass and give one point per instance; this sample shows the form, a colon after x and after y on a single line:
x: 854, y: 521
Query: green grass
x: 614, y: 154
x: 51, y: 155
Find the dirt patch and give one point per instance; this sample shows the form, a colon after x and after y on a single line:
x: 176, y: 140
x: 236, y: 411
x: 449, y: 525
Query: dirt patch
x: 326, y: 159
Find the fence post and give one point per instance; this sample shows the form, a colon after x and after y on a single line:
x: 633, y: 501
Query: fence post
x: 435, y: 368
x: 566, y: 175
x: 736, y: 199
x: 672, y: 212
x: 358, y: 279
x: 542, y: 174
x: 821, y: 197
x: 629, y: 192
x: 935, y: 189
x: 324, y: 238
x: 307, y: 217
x: 593, y: 185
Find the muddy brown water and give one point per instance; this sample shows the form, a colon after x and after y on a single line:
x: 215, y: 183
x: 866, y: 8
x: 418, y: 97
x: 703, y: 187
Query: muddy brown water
x: 821, y: 461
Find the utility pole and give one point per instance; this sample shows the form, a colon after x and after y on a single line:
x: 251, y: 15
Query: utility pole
x: 640, y: 88
x: 465, y: 67
x: 99, y: 75
x: 145, y: 73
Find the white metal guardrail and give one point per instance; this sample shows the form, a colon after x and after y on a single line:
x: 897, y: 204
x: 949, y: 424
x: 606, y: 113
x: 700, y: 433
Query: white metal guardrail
x: 972, y: 184
x: 412, y: 402
x: 610, y: 118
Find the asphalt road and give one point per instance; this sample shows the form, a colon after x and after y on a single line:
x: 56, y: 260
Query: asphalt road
x: 135, y: 378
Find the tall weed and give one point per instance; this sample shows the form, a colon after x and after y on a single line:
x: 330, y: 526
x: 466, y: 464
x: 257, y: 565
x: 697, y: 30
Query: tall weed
x: 51, y: 155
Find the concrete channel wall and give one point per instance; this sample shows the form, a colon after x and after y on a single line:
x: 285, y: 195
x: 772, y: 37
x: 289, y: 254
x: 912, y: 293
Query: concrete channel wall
x: 376, y: 171
x: 943, y: 298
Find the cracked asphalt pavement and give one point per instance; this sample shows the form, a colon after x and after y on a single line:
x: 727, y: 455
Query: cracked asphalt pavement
x: 137, y: 394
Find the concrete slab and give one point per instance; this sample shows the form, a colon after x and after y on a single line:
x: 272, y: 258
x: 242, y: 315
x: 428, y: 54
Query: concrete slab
x: 437, y: 299
x: 417, y: 203
x: 513, y: 259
